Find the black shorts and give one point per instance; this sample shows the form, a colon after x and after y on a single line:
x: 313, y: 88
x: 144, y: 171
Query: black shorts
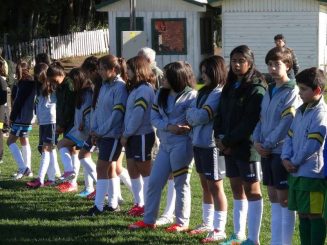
x: 109, y: 149
x: 209, y: 163
x: 47, y: 134
x: 248, y: 171
x: 274, y: 173
x: 139, y: 147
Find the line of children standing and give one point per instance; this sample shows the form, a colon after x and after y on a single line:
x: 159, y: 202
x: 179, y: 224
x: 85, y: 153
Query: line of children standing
x: 237, y: 118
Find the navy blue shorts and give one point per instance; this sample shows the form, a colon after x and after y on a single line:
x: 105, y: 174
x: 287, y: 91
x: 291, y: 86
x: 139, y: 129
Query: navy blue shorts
x: 274, y: 172
x: 139, y: 147
x: 109, y: 149
x: 20, y: 130
x: 47, y: 134
x: 209, y: 163
x: 248, y: 171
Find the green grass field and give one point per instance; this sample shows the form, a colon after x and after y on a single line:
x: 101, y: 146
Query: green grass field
x: 45, y: 216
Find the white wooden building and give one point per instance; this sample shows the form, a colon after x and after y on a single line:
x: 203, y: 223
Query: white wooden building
x: 162, y: 13
x: 256, y: 22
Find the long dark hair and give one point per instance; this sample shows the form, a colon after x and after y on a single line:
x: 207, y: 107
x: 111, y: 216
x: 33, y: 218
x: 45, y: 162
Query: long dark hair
x: 141, y: 68
x: 215, y: 69
x: 90, y: 65
x: 81, y: 84
x: 178, y: 76
x: 250, y: 74
x: 112, y: 62
x: 43, y: 85
x: 55, y: 69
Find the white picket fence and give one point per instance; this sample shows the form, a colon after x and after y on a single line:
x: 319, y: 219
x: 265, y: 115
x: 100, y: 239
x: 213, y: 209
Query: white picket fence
x: 74, y: 44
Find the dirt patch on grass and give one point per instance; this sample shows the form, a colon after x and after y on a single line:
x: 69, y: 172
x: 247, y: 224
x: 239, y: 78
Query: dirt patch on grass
x: 72, y: 62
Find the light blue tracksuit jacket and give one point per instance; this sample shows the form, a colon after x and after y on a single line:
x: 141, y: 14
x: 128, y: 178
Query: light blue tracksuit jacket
x: 175, y: 155
x: 138, y: 111
x: 82, y: 117
x: 200, y: 116
x: 304, y: 143
x: 277, y: 113
x: 108, y: 115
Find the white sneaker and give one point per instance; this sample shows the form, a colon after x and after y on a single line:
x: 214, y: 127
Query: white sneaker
x: 214, y: 236
x: 23, y: 172
x: 165, y: 220
x: 200, y: 229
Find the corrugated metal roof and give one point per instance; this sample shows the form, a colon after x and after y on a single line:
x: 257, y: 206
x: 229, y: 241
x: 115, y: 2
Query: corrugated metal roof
x: 196, y: 2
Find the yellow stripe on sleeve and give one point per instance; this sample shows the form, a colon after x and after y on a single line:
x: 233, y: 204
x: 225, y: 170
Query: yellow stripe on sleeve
x: 316, y: 136
x: 288, y: 111
x: 142, y: 103
x: 290, y: 133
x: 155, y: 107
x: 209, y: 110
x: 119, y: 107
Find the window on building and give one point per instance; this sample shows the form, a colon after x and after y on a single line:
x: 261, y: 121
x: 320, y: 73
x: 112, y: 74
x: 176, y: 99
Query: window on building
x: 169, y: 36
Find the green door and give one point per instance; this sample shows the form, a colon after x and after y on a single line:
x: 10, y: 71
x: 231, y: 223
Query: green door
x: 122, y: 24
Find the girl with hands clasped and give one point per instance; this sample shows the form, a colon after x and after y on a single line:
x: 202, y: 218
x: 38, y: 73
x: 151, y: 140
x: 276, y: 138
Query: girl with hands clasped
x: 175, y: 153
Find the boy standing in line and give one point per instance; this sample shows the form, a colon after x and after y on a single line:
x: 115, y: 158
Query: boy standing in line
x: 302, y: 157
x: 277, y: 112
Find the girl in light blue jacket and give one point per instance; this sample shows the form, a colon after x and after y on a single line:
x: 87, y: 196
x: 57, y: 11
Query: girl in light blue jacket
x: 138, y: 136
x: 74, y: 139
x: 106, y: 130
x: 209, y: 164
x: 175, y: 153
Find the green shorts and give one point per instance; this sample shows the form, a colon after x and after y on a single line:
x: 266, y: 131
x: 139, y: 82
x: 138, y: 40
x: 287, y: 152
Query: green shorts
x: 306, y: 195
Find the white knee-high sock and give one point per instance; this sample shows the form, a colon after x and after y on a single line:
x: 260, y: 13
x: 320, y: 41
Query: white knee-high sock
x: 89, y: 167
x: 112, y: 192
x: 17, y: 154
x: 51, y: 172
x: 220, y: 220
x: 254, y: 219
x: 124, y: 176
x: 54, y: 159
x: 276, y: 224
x: 240, y: 212
x: 88, y: 181
x: 171, y: 199
x: 27, y: 155
x: 288, y: 223
x: 44, y: 165
x: 145, y: 187
x: 119, y: 196
x: 137, y: 191
x: 76, y: 167
x: 101, y: 191
x: 208, y: 214
x: 66, y: 159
